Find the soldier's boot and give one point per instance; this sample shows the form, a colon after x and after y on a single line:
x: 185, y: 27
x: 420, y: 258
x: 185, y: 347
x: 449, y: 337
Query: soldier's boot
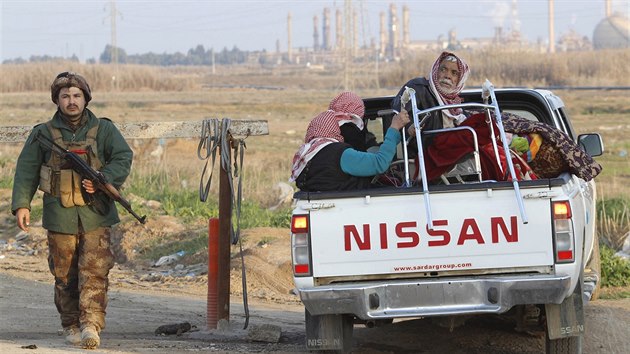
x: 73, y: 335
x: 90, y: 338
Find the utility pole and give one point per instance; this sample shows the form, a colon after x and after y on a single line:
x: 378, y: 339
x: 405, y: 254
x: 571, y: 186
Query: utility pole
x: 552, y: 40
x: 289, y: 44
x: 114, y: 44
x: 214, y: 70
x: 347, y: 85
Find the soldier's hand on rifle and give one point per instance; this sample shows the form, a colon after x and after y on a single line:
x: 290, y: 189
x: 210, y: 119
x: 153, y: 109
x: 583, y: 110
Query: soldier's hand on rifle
x: 88, y: 186
x: 23, y: 218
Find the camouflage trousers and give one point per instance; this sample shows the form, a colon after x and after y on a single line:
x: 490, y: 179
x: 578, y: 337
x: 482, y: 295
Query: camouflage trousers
x: 81, y: 264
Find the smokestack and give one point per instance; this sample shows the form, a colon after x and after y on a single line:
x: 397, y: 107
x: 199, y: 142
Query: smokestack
x: 355, y: 33
x: 339, y: 30
x: 552, y: 40
x: 608, y: 8
x: 405, y: 19
x: 289, y: 52
x: 326, y: 40
x: 315, y: 35
x: 393, y: 30
x: 383, y: 34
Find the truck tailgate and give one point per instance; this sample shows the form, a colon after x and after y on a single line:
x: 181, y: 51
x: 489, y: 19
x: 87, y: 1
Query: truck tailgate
x: 388, y: 234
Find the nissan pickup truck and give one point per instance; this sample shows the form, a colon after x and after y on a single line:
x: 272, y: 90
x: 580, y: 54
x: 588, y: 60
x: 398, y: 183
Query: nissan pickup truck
x: 524, y: 249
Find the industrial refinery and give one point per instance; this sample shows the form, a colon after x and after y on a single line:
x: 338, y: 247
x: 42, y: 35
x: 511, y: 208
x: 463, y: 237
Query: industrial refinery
x: 339, y: 42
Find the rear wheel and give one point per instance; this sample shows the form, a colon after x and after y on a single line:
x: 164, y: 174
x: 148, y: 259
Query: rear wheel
x: 565, y: 322
x: 595, y: 267
x: 329, y: 333
x: 567, y: 345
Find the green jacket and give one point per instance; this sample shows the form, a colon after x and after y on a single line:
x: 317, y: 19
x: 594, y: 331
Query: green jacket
x: 113, y: 152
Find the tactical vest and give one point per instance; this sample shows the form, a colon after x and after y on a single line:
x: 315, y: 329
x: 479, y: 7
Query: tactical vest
x: 59, y: 180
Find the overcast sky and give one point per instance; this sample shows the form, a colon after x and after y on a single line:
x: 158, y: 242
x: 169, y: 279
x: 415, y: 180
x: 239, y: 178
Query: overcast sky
x: 83, y: 27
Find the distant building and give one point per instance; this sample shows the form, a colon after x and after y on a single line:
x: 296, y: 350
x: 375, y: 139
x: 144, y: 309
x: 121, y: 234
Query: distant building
x: 572, y: 41
x: 612, y: 32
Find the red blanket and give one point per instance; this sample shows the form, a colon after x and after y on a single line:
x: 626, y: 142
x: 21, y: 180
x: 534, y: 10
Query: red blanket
x: 448, y: 148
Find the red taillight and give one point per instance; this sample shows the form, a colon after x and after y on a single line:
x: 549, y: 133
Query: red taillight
x: 301, y: 269
x: 299, y: 224
x: 561, y: 210
x: 301, y: 254
x: 563, y: 232
x: 565, y: 255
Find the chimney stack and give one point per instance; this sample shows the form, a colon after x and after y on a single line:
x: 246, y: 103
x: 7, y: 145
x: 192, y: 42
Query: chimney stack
x: 326, y: 35
x: 315, y: 35
x: 355, y: 33
x: 289, y: 44
x: 338, y: 30
x: 552, y: 39
x: 405, y: 29
x: 383, y: 35
x: 393, y: 30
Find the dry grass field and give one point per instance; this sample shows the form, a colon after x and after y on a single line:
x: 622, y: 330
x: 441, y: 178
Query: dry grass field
x: 287, y: 102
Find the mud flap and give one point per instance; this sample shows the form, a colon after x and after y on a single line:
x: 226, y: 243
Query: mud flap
x: 329, y: 332
x: 566, y: 319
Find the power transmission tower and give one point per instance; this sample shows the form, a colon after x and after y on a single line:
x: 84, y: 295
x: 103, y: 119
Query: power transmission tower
x: 114, y: 44
x: 347, y: 84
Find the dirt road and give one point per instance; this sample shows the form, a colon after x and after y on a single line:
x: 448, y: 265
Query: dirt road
x: 142, y: 298
x: 136, y: 310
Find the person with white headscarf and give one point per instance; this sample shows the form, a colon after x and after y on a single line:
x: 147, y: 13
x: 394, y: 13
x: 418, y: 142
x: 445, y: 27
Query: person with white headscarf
x: 325, y: 162
x: 445, y: 81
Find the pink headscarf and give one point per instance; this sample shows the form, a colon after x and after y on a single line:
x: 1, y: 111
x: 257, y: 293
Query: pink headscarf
x: 451, y: 97
x: 324, y: 128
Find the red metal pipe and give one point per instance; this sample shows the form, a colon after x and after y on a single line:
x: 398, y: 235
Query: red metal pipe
x: 213, y: 273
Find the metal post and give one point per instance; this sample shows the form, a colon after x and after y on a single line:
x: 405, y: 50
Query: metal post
x: 423, y: 173
x: 213, y: 272
x: 225, y: 236
x: 508, y: 157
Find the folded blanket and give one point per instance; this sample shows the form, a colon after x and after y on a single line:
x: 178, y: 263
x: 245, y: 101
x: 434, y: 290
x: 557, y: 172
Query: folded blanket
x: 557, y: 153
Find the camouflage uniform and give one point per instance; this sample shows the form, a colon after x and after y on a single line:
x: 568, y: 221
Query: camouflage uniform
x: 81, y: 264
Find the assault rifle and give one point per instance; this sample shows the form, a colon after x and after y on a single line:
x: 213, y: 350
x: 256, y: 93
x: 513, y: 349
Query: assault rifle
x: 82, y: 168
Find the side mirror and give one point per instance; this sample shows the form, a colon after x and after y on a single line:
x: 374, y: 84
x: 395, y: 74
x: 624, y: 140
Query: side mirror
x: 591, y: 143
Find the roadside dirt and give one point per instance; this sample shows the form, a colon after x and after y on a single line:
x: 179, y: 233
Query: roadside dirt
x: 144, y: 297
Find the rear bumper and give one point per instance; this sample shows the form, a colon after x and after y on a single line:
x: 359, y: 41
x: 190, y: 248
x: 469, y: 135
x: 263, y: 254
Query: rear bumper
x: 435, y: 297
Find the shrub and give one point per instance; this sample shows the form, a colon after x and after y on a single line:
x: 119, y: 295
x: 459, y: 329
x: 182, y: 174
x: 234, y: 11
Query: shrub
x: 615, y: 269
x: 613, y: 221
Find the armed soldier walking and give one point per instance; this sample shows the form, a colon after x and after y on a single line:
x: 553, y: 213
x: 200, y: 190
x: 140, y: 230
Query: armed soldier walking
x: 77, y: 219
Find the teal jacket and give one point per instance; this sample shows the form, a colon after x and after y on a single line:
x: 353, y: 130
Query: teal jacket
x: 366, y: 164
x: 114, y: 153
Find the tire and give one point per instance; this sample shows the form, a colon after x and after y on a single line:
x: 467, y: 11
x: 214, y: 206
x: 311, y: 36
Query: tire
x: 329, y: 333
x: 567, y: 345
x: 596, y: 266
